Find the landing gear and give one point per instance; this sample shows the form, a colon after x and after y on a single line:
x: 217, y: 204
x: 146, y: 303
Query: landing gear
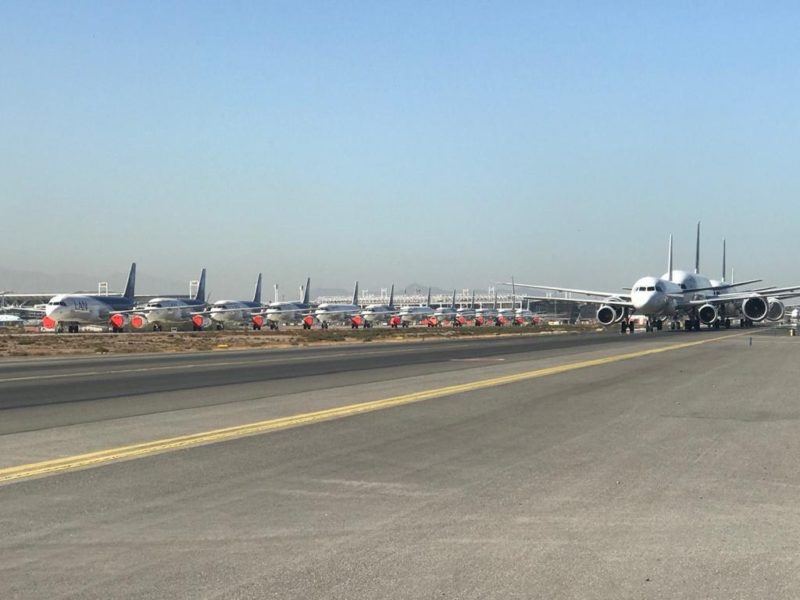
x: 273, y: 326
x: 630, y: 326
x: 196, y: 328
x: 324, y: 325
x: 405, y: 324
x: 727, y: 323
x: 219, y: 326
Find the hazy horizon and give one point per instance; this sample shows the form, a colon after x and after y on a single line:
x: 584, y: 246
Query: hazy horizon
x: 452, y: 144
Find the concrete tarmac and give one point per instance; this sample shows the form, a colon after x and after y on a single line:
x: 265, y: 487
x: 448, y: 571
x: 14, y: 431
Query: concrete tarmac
x: 662, y: 476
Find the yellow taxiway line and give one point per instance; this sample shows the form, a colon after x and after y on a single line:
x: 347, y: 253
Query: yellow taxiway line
x: 92, y: 459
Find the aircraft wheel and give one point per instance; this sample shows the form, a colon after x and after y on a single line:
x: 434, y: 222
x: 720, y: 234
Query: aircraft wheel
x: 630, y: 327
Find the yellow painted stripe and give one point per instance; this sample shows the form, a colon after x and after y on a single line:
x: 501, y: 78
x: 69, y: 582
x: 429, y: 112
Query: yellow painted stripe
x: 101, y: 457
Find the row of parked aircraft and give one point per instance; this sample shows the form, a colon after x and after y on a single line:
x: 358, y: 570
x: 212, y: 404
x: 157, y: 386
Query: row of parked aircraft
x: 683, y: 298
x: 679, y: 298
x: 68, y: 312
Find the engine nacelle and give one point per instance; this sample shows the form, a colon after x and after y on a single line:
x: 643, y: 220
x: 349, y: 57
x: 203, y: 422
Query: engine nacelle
x: 755, y: 308
x: 200, y: 321
x: 258, y: 321
x: 776, y: 310
x: 708, y: 314
x: 118, y: 321
x: 138, y: 321
x: 356, y: 321
x: 608, y: 315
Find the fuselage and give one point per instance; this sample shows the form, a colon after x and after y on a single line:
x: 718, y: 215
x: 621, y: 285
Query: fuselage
x: 329, y: 313
x: 234, y: 311
x: 378, y: 313
x: 159, y: 311
x: 84, y: 309
x: 287, y: 312
x: 415, y: 314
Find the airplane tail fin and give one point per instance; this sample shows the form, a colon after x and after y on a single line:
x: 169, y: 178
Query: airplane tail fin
x: 257, y: 295
x: 391, y: 298
x: 669, y: 259
x: 130, y: 286
x: 697, y: 251
x: 307, y: 291
x: 200, y: 296
x: 495, y: 300
x: 429, y: 297
x: 473, y: 299
x: 514, y: 294
x: 454, y: 299
x: 355, y: 294
x: 723, y: 261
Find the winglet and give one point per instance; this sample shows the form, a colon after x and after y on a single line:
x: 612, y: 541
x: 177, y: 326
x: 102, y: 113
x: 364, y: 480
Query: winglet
x: 257, y: 295
x: 697, y: 252
x: 200, y: 295
x: 130, y: 286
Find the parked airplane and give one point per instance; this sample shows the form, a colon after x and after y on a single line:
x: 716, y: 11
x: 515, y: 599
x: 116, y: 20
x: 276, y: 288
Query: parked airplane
x: 327, y: 313
x: 73, y: 310
x: 675, y: 295
x: 382, y: 313
x: 172, y: 312
x: 416, y: 314
x: 487, y: 314
x: 514, y: 315
x: 235, y: 312
x: 446, y: 313
x: 466, y: 313
x: 291, y: 312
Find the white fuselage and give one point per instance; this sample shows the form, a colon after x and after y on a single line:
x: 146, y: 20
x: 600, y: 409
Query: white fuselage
x: 286, y: 312
x: 233, y: 311
x: 378, y: 313
x: 168, y: 310
x: 82, y: 309
x: 415, y: 314
x: 335, y: 313
x: 445, y: 313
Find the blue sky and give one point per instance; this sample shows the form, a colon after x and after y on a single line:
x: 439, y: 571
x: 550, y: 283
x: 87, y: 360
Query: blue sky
x: 445, y: 143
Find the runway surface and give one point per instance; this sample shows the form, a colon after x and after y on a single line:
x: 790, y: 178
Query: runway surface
x: 637, y: 472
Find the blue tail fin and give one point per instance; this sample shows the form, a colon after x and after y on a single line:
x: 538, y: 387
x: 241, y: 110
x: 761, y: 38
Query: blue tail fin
x: 257, y: 295
x: 355, y: 294
x: 307, y: 291
x: 130, y: 286
x: 200, y: 296
x: 391, y: 298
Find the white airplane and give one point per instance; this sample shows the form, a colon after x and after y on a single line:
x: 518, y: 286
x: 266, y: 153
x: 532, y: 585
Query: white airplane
x: 172, y: 312
x: 466, y: 313
x: 416, y: 314
x: 487, y: 314
x: 446, y: 313
x: 382, y: 313
x: 291, y: 312
x: 70, y: 311
x: 10, y: 320
x: 327, y: 313
x: 236, y: 312
x: 677, y: 294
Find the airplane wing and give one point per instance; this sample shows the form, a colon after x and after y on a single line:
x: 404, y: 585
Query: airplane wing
x: 569, y: 290
x: 605, y: 302
x: 724, y: 286
x: 787, y: 292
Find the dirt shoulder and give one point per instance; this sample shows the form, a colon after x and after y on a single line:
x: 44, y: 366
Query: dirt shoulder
x: 51, y: 344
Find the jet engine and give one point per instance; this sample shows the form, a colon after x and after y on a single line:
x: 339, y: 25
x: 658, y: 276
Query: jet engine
x: 776, y: 310
x: 198, y: 322
x: 608, y: 315
x: 118, y: 321
x: 138, y: 321
x: 258, y: 321
x: 708, y: 314
x: 394, y: 322
x: 356, y: 321
x: 755, y: 308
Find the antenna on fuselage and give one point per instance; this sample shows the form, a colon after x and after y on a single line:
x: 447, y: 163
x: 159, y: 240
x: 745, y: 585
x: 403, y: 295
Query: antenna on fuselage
x: 669, y: 259
x: 697, y: 252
